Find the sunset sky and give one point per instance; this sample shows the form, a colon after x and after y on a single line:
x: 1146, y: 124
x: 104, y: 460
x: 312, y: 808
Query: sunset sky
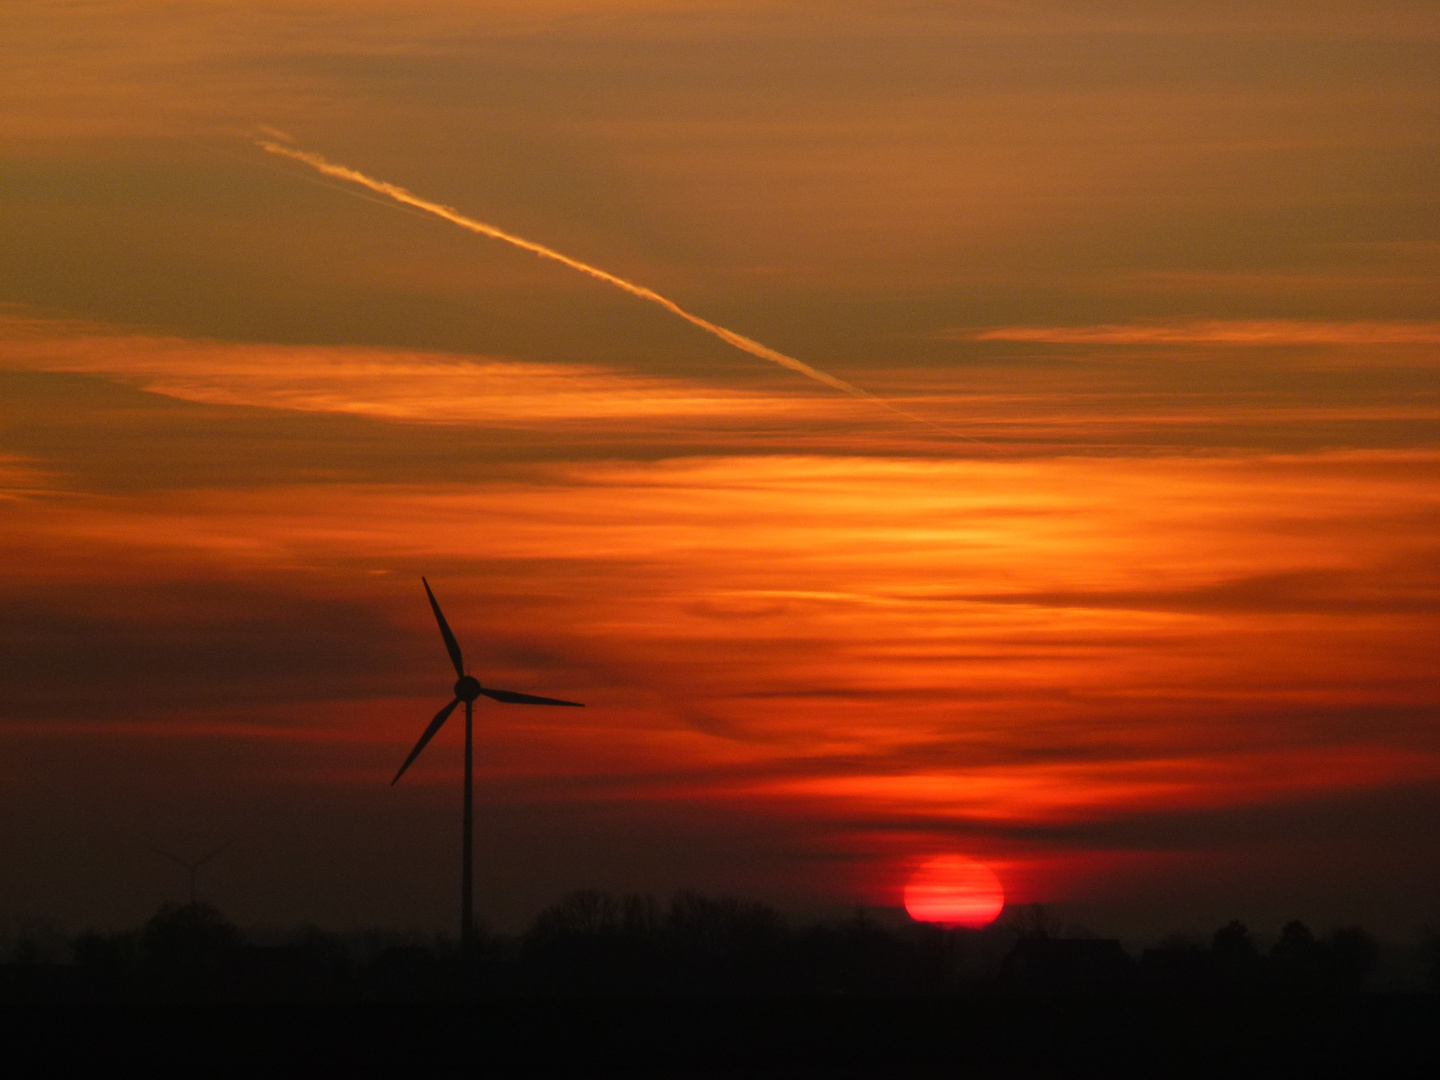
x: 1141, y: 610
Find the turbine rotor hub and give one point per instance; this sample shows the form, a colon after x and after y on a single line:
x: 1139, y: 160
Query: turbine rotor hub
x: 467, y: 688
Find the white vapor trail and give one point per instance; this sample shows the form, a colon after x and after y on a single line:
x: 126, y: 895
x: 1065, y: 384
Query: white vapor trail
x: 446, y: 213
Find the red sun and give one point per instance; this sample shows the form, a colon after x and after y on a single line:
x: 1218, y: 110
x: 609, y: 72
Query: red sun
x: 954, y: 891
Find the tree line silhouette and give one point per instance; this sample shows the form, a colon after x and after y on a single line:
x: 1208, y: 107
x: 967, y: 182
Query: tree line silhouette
x: 592, y: 943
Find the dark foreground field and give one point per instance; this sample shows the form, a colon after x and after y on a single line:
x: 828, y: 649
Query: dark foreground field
x: 708, y: 987
x: 1374, y: 1035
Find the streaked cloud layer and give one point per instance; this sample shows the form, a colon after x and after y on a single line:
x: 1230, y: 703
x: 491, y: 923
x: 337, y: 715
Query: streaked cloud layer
x: 393, y: 384
x: 1150, y: 633
x: 1228, y: 332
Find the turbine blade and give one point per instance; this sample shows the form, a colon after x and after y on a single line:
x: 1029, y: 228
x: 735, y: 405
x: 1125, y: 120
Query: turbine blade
x: 169, y: 855
x: 451, y: 645
x: 216, y: 851
x: 435, y: 725
x: 510, y: 697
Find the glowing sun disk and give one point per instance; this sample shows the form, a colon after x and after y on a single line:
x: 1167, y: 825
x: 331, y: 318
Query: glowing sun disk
x: 954, y: 891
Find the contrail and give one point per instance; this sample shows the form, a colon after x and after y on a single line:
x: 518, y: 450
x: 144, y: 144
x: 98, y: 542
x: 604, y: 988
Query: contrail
x: 446, y: 213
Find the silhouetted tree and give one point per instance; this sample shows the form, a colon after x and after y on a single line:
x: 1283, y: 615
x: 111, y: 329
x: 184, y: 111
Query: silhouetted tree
x: 715, y: 922
x: 1430, y: 953
x: 1233, y: 939
x: 1350, y: 955
x: 725, y: 943
x: 183, y: 947
x: 1178, y: 965
x: 406, y: 972
x: 857, y: 956
x: 1295, y: 959
x: 593, y: 942
x: 38, y: 941
x: 1237, y: 961
x: 1033, y: 921
x: 1071, y: 965
x: 109, y: 963
x: 586, y: 912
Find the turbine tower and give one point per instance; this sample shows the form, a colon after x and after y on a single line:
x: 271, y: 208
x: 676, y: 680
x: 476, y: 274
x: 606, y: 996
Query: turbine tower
x: 467, y: 689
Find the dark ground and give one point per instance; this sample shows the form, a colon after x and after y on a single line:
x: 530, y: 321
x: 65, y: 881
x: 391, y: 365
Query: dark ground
x: 1368, y: 1036
x: 708, y: 987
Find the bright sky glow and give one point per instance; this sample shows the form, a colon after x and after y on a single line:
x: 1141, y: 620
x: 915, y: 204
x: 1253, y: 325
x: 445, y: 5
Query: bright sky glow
x: 1153, y: 636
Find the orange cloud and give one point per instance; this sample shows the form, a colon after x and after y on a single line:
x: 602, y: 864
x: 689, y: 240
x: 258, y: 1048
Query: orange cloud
x: 989, y: 611
x: 871, y: 654
x: 20, y: 477
x: 392, y: 384
x: 1241, y: 332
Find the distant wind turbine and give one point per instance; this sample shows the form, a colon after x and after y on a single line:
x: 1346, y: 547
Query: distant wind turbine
x: 192, y: 865
x: 467, y: 689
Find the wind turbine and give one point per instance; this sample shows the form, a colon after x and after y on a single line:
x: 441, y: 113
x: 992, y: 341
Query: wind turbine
x: 467, y: 689
x: 192, y: 865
